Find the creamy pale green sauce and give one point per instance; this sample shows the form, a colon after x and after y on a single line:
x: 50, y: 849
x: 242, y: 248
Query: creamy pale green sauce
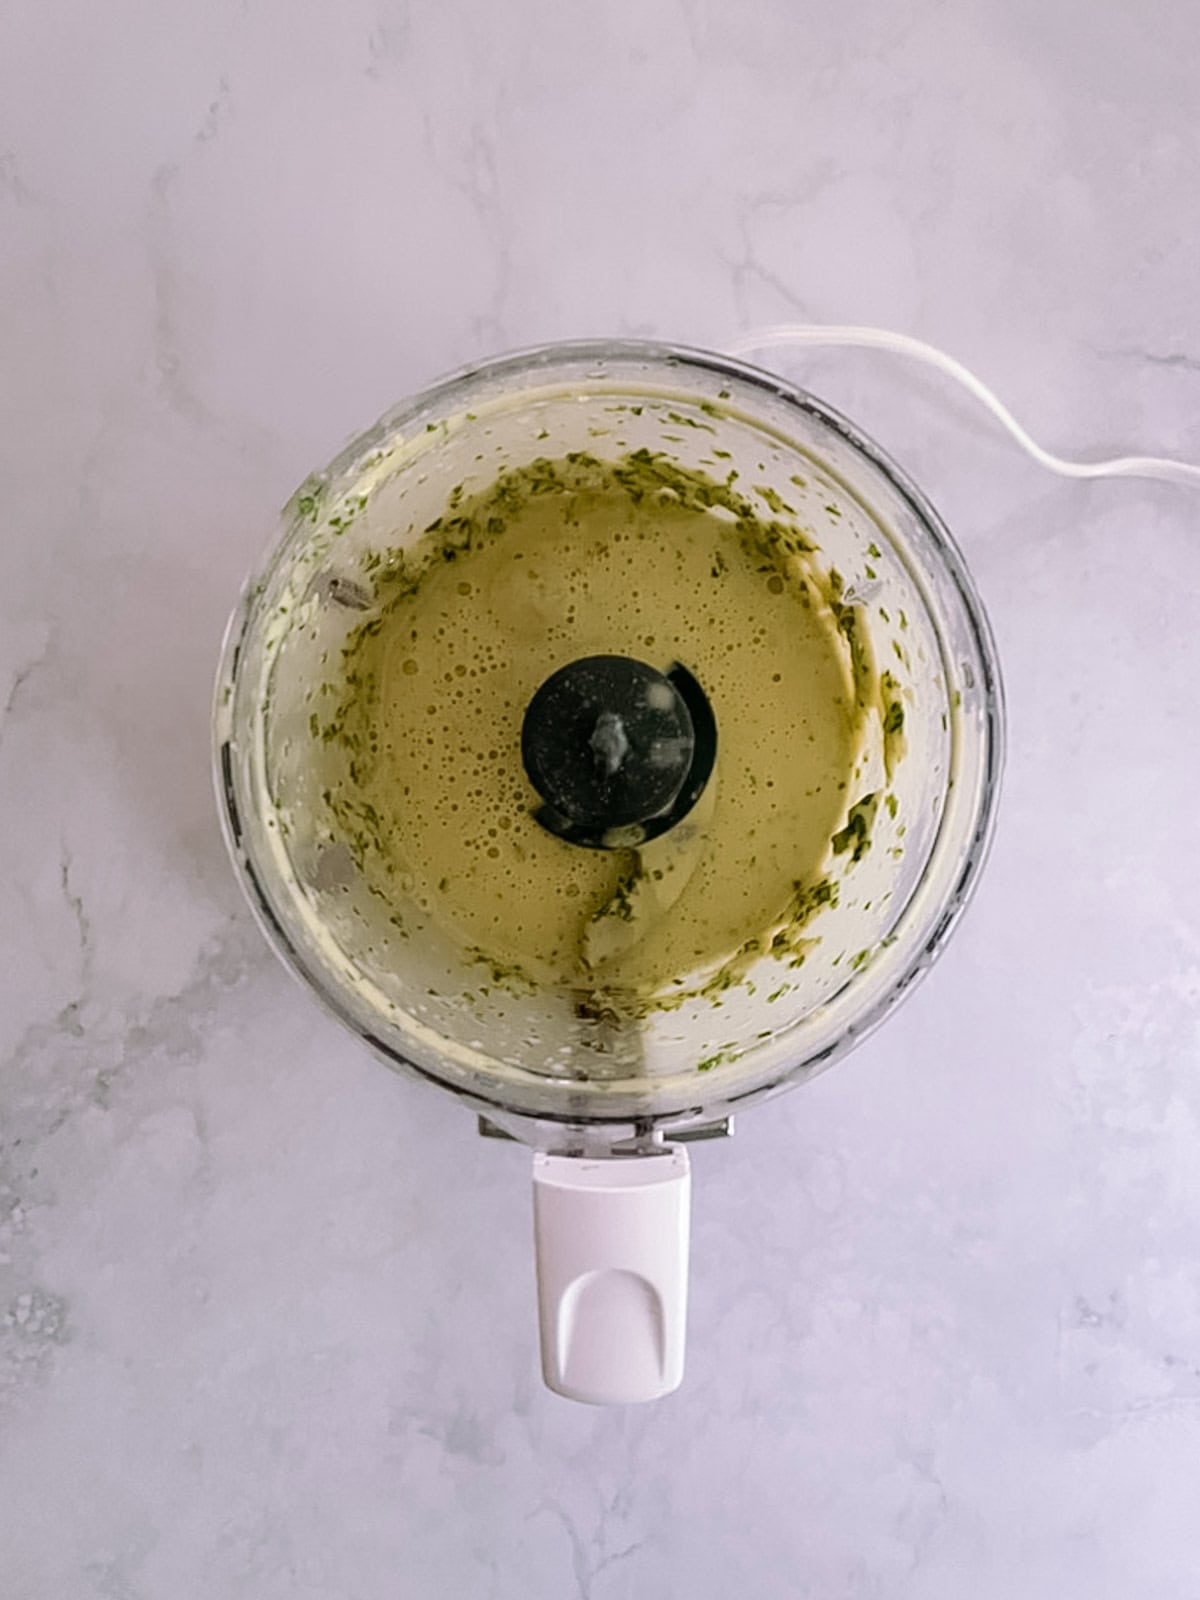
x: 419, y: 735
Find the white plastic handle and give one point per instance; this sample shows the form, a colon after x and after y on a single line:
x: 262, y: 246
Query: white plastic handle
x: 611, y: 1237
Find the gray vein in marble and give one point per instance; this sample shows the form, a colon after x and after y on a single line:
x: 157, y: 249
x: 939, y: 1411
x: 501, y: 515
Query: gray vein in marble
x: 168, y: 355
x: 60, y: 1068
x: 1153, y: 1405
x: 218, y: 106
x: 747, y: 265
x: 581, y: 1564
x: 78, y: 912
x: 462, y: 1434
x: 481, y: 185
x: 20, y: 679
x: 1178, y: 360
x: 387, y: 44
x: 12, y: 184
x: 745, y: 268
x: 589, y: 1555
x: 77, y: 1057
x: 112, y: 1581
x: 168, y: 358
x: 693, y: 24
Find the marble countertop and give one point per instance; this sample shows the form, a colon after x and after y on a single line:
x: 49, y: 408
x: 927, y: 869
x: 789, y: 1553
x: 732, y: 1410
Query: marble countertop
x: 266, y: 1309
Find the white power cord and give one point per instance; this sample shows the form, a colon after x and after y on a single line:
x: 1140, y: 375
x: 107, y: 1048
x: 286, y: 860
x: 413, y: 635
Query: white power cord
x: 902, y: 344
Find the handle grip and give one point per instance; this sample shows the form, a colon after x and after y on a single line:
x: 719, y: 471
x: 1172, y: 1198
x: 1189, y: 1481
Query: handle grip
x: 611, y: 1240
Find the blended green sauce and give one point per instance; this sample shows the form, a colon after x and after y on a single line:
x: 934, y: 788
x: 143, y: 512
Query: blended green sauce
x: 418, y: 735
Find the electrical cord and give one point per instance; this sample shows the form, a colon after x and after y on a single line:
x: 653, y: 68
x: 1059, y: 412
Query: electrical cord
x: 785, y: 334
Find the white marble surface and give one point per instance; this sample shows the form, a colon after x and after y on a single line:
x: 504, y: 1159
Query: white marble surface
x: 266, y: 1317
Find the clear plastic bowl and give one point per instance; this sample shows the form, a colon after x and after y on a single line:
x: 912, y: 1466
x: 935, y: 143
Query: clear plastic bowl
x: 528, y: 1060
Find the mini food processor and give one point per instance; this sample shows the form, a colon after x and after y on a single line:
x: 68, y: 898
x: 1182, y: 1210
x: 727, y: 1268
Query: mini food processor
x: 611, y: 738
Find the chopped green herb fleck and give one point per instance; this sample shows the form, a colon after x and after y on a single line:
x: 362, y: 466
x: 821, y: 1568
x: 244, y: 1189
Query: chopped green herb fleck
x: 855, y: 837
